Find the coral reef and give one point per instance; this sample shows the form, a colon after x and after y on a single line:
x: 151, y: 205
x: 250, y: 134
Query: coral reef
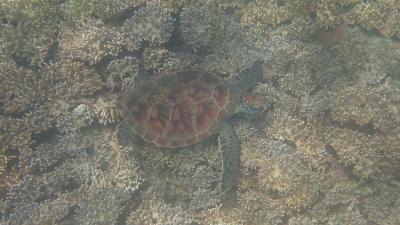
x: 200, y: 24
x: 106, y: 110
x: 153, y: 210
x: 90, y: 43
x: 152, y: 23
x: 124, y: 71
x: 78, y: 12
x: 27, y: 33
x: 324, y: 151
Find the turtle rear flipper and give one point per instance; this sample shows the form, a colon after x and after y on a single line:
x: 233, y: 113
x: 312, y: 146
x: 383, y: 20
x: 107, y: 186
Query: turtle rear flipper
x: 230, y: 153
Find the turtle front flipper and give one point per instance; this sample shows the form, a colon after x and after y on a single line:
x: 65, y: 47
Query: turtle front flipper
x: 230, y: 153
x: 124, y: 134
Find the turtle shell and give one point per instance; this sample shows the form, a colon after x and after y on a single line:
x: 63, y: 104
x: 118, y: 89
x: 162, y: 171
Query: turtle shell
x: 178, y: 109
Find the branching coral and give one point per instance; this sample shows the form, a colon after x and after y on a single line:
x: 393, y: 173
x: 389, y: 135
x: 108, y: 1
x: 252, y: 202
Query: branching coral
x: 72, y: 171
x: 383, y: 206
x: 107, y: 111
x: 41, y: 96
x: 156, y: 211
x: 189, y: 175
x: 347, y: 204
x: 161, y: 59
x: 377, y: 106
x: 155, y: 59
x: 281, y: 168
x: 235, y: 52
x: 78, y: 12
x: 17, y: 86
x: 364, y: 153
x: 80, y: 117
x: 124, y: 72
x: 374, y: 15
x: 26, y: 32
x: 264, y: 15
x: 307, y: 137
x: 201, y: 25
x: 15, y: 139
x: 255, y: 208
x: 91, y: 42
x: 97, y: 205
x: 50, y: 212
x: 371, y: 98
x: 151, y: 23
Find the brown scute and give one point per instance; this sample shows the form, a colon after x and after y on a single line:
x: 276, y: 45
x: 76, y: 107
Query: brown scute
x: 179, y: 129
x: 221, y: 95
x: 206, y: 113
x: 156, y: 99
x: 191, y: 141
x: 177, y: 95
x: 176, y: 114
x: 156, y: 126
x: 159, y: 118
x: 205, y: 135
x: 162, y: 142
x: 198, y: 92
x: 181, y: 124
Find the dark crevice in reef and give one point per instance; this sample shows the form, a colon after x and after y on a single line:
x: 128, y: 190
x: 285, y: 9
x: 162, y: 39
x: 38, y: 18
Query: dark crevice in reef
x: 45, y: 136
x: 20, y: 114
x: 132, y: 204
x: 135, y: 199
x: 54, y: 47
x: 347, y: 169
x: 101, y: 67
x: 121, y: 17
x: 331, y: 151
x: 175, y: 42
x: 70, y: 215
x: 21, y: 61
x: 285, y: 220
x: 367, y: 129
x: 53, y: 50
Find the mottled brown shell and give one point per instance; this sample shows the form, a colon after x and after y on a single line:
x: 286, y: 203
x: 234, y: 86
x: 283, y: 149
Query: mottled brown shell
x: 178, y: 108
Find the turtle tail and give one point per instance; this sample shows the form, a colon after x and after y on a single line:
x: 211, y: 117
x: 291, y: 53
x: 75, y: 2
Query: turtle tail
x: 248, y: 78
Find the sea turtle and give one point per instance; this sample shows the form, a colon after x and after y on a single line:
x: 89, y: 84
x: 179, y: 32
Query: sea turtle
x: 182, y: 108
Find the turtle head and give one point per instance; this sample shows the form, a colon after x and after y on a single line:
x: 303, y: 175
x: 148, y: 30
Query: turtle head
x: 252, y: 103
x: 247, y: 78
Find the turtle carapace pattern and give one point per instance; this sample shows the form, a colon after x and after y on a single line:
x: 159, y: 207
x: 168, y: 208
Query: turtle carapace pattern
x: 181, y: 108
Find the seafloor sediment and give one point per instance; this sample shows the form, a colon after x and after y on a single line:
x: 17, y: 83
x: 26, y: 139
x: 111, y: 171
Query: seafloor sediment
x: 326, y: 151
